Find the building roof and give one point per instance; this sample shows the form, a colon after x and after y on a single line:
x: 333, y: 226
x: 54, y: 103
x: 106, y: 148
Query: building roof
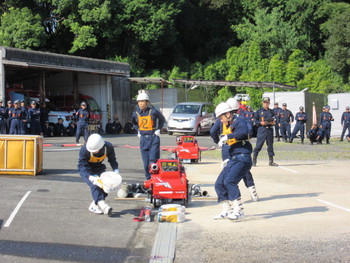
x: 45, y: 60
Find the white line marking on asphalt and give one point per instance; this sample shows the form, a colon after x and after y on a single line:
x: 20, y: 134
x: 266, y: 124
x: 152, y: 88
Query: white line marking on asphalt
x: 12, y: 216
x: 287, y: 169
x: 336, y: 206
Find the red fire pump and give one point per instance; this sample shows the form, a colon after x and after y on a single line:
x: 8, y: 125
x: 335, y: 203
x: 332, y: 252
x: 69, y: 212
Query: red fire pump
x: 168, y: 182
x: 187, y: 150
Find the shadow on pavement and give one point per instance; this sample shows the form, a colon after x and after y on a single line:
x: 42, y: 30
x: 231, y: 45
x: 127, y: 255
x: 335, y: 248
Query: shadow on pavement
x: 295, y: 211
x: 289, y: 196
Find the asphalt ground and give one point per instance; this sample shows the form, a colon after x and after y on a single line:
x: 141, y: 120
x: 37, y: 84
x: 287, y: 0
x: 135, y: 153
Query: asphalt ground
x: 303, y: 214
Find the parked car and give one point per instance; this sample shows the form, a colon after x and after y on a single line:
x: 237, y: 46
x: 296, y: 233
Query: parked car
x: 191, y: 118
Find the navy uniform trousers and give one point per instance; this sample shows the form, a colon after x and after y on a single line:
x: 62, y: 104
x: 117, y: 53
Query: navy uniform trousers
x: 265, y: 133
x: 150, y: 151
x: 299, y: 127
x: 248, y: 178
x: 226, y: 186
x: 82, y: 127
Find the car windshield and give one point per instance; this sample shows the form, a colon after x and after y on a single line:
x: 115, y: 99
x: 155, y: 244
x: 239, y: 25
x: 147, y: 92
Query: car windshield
x: 187, y: 109
x: 93, y: 104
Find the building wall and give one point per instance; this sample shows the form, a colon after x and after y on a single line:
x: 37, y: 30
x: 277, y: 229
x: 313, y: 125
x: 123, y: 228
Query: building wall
x: 165, y: 100
x: 338, y: 102
x: 121, y: 99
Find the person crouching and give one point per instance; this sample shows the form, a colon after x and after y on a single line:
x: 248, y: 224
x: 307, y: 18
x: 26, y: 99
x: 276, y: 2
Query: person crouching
x: 90, y: 166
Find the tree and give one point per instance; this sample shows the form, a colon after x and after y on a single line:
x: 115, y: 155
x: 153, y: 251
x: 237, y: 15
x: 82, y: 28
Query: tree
x: 21, y: 28
x: 338, y: 43
x: 293, y: 68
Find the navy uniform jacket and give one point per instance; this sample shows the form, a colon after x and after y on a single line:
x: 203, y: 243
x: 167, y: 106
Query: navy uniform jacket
x: 325, y: 119
x: 24, y: 113
x: 285, y: 116
x: 83, y: 116
x: 155, y: 115
x: 34, y: 114
x: 345, y: 117
x: 277, y: 112
x: 3, y: 113
x: 15, y: 114
x: 216, y: 131
x: 44, y: 114
x: 301, y: 117
x: 263, y: 114
x: 87, y: 168
x: 249, y: 115
x: 240, y: 132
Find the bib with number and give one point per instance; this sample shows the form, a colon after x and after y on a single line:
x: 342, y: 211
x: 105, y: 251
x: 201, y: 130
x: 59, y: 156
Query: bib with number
x: 145, y: 122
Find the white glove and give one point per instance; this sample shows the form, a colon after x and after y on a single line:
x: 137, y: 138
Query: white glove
x: 116, y: 171
x: 95, y: 179
x: 222, y: 141
x: 139, y: 134
x: 224, y: 163
x: 157, y: 132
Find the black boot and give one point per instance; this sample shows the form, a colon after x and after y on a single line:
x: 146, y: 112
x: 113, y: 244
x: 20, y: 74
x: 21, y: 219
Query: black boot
x: 255, y: 157
x: 302, y: 141
x: 291, y: 140
x: 271, y: 163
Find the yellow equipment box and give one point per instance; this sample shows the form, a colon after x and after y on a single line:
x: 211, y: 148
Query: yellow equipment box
x: 21, y: 154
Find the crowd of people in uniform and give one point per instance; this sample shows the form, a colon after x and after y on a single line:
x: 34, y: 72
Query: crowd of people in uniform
x: 14, y: 118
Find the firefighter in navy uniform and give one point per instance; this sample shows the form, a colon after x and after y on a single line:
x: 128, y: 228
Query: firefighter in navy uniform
x: 315, y: 134
x: 238, y: 164
x: 2, y: 118
x: 34, y: 119
x: 44, y: 114
x: 325, y: 120
x: 15, y: 116
x: 90, y: 166
x: 23, y: 122
x: 345, y: 122
x: 284, y: 119
x: 145, y: 120
x: 277, y: 111
x: 301, y: 118
x: 8, y: 120
x: 221, y: 128
x: 264, y: 118
x: 82, y: 116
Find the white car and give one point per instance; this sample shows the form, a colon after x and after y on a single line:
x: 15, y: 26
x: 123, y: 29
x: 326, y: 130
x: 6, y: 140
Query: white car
x: 191, y: 118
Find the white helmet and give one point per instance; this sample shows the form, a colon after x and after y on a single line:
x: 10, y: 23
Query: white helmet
x: 142, y: 96
x: 233, y: 103
x: 94, y: 143
x: 111, y: 181
x: 222, y: 108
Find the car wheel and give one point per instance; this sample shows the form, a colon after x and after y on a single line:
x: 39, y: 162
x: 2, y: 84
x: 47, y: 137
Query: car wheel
x: 199, y: 131
x: 170, y: 133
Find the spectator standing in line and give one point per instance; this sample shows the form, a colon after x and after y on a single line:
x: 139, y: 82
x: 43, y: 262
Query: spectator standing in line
x: 345, y: 122
x: 301, y: 118
x: 284, y: 119
x: 277, y: 111
x: 2, y: 119
x: 325, y: 119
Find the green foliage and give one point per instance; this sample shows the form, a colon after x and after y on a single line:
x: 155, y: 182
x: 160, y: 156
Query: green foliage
x: 294, y: 67
x: 319, y: 77
x: 224, y: 93
x: 338, y: 43
x: 21, y: 28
